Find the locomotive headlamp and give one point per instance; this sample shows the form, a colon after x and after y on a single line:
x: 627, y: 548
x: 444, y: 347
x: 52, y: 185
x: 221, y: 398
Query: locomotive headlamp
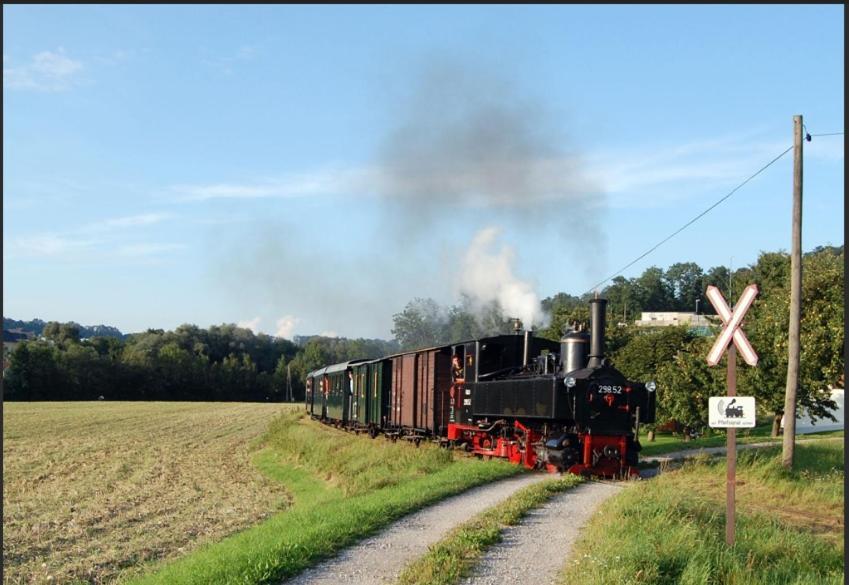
x: 569, y: 381
x: 651, y: 386
x: 610, y: 451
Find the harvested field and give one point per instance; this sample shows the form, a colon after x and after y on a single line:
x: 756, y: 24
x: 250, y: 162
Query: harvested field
x: 93, y: 490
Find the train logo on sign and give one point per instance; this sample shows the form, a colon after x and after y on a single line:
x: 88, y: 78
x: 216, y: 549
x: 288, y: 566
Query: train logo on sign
x: 731, y: 412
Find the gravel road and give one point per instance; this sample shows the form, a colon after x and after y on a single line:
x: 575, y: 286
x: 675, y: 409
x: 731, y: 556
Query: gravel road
x: 380, y: 559
x: 535, y: 550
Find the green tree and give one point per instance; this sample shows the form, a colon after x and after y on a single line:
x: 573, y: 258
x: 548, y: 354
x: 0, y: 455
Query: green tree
x: 420, y: 324
x: 686, y: 281
x: 653, y: 292
x: 821, y: 333
x: 654, y: 355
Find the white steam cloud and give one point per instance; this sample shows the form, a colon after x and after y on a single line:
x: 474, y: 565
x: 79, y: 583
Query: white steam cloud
x: 286, y: 326
x: 252, y: 324
x: 487, y: 276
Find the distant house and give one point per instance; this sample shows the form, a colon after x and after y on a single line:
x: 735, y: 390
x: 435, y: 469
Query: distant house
x: 670, y: 318
x: 13, y: 335
x: 699, y: 324
x: 805, y: 425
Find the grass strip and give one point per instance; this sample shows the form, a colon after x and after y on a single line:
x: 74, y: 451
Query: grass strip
x: 456, y: 555
x: 665, y: 443
x: 344, y: 488
x: 672, y: 529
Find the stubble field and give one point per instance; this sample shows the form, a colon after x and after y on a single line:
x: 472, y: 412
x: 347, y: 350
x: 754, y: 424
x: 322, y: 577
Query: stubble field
x: 92, y: 491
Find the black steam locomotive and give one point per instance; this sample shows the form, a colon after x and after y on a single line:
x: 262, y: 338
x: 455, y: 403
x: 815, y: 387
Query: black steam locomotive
x: 535, y: 402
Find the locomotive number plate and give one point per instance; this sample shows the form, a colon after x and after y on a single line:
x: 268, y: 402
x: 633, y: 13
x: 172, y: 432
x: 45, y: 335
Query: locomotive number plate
x: 609, y: 389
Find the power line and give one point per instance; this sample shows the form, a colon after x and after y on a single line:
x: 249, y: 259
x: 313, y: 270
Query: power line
x: 829, y: 134
x: 689, y: 223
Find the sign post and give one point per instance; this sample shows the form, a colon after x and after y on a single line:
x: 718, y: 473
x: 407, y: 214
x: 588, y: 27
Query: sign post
x: 730, y: 412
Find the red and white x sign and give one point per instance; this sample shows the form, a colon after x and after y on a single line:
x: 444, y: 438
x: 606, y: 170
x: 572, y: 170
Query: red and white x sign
x: 731, y: 325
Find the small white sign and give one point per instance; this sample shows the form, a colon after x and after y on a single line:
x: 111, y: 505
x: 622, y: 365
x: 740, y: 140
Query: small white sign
x: 731, y: 412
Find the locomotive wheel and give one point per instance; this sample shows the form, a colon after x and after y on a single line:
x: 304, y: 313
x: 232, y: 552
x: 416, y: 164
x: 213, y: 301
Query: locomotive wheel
x: 372, y: 432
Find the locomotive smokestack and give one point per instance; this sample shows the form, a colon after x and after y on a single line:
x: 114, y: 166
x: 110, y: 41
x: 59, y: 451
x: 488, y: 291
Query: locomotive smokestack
x: 597, y: 313
x: 526, y: 355
x: 517, y: 326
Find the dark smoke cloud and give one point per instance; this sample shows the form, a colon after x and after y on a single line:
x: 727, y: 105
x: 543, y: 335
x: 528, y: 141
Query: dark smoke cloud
x: 465, y: 144
x: 468, y: 133
x: 467, y: 140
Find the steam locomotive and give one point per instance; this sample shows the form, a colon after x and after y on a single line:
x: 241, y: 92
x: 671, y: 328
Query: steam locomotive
x: 535, y: 402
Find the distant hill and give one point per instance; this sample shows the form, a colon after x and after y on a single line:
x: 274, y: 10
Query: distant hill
x: 36, y: 326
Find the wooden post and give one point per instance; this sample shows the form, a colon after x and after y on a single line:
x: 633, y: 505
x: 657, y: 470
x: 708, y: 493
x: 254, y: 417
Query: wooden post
x: 789, y: 441
x: 731, y: 464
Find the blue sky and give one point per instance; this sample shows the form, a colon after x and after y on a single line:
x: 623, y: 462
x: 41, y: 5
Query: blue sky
x: 312, y: 169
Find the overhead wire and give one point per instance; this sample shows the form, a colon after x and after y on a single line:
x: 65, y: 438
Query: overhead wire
x: 689, y: 223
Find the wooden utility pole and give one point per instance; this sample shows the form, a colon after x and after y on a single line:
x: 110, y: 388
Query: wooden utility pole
x: 795, y: 301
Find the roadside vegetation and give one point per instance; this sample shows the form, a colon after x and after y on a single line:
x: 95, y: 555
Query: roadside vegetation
x: 456, y: 555
x: 344, y: 487
x: 672, y: 529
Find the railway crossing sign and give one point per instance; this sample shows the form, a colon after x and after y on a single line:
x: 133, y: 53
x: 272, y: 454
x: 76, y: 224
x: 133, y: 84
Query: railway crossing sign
x: 731, y: 410
x: 731, y: 325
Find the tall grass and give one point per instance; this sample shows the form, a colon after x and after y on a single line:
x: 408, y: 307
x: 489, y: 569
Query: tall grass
x: 672, y: 529
x: 344, y: 487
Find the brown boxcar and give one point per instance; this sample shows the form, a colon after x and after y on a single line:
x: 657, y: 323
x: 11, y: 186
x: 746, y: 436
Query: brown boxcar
x: 420, y: 385
x: 403, y: 390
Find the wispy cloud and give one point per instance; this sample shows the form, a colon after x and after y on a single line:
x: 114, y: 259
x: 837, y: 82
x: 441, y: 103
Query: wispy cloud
x: 321, y: 182
x: 47, y: 244
x: 148, y: 249
x: 99, y: 239
x: 127, y: 221
x: 226, y: 64
x: 651, y: 176
x: 646, y: 176
x: 48, y: 71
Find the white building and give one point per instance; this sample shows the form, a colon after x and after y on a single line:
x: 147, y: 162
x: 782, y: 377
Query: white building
x: 670, y: 318
x: 804, y: 424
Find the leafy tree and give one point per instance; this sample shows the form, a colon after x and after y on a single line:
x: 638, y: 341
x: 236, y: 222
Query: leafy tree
x: 622, y: 299
x: 653, y: 291
x: 62, y: 333
x: 821, y: 333
x: 686, y: 281
x: 656, y: 354
x: 420, y: 324
x: 718, y: 276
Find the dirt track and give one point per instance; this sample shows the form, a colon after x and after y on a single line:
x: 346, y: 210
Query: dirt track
x: 380, y: 559
x: 535, y: 550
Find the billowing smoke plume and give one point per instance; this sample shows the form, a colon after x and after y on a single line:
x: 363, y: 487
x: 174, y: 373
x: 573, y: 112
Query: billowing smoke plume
x: 467, y: 143
x: 468, y: 137
x: 487, y: 276
x: 466, y: 148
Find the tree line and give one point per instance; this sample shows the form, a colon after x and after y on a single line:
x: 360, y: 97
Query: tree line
x: 674, y: 357
x: 222, y: 363
x: 230, y: 363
